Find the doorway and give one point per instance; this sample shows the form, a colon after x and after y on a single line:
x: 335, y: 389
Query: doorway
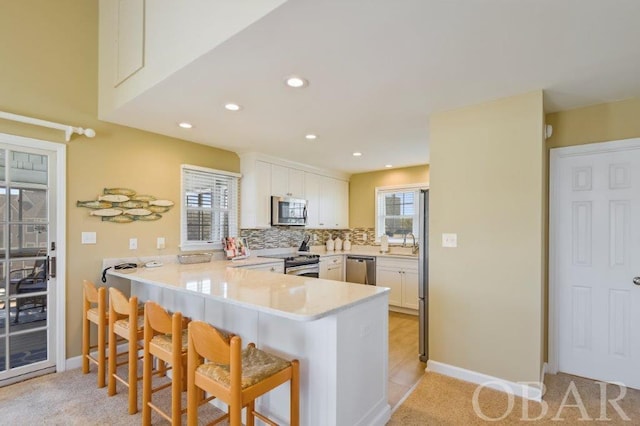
x: 31, y: 297
x: 405, y: 367
x: 594, y: 259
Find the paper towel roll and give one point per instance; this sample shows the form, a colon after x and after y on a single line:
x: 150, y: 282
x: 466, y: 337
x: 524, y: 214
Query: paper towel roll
x: 384, y: 244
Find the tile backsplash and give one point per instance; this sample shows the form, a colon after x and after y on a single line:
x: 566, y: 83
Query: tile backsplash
x: 285, y: 237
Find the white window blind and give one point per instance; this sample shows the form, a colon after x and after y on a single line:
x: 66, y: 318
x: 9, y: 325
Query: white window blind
x: 209, y: 207
x: 397, y: 212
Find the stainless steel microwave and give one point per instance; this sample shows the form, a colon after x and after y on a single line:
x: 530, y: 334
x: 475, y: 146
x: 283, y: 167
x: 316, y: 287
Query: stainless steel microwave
x: 288, y: 211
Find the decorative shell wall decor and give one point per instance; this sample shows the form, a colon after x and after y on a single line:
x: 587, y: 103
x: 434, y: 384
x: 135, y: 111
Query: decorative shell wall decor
x: 122, y: 205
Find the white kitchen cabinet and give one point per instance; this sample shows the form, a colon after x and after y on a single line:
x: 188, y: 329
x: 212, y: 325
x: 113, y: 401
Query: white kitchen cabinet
x: 332, y: 267
x: 312, y: 195
x: 287, y: 182
x: 410, y: 289
x: 334, y: 203
x: 401, y: 276
x: 263, y: 176
x: 255, y: 194
x: 390, y: 277
x: 277, y: 267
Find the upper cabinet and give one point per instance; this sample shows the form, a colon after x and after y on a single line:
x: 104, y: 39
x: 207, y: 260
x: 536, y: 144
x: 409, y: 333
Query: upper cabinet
x: 327, y: 196
x: 287, y: 182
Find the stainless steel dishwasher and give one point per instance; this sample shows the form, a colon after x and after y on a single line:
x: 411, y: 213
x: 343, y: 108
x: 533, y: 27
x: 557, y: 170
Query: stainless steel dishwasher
x: 361, y: 269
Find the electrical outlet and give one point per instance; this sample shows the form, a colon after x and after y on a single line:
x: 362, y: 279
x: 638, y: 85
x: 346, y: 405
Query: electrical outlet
x: 365, y: 237
x: 133, y: 243
x: 160, y: 243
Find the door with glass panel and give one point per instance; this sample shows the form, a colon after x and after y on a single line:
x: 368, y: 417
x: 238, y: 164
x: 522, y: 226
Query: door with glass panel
x: 27, y: 262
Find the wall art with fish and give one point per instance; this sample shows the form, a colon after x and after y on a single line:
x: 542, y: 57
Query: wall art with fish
x: 123, y: 205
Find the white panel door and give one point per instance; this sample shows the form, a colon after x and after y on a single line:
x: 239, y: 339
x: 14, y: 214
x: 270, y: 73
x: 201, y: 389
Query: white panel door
x: 596, y: 237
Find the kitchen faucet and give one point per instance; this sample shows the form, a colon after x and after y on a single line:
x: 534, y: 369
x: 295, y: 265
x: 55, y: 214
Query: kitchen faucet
x: 415, y: 246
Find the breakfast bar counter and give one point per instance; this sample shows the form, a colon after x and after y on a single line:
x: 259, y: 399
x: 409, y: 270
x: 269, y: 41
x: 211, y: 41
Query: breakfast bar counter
x: 338, y: 331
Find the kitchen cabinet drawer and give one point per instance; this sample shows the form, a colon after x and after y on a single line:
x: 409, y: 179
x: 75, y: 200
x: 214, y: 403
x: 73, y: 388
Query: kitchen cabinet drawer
x: 277, y: 267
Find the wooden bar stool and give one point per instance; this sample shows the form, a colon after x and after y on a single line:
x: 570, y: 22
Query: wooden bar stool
x: 94, y: 310
x: 235, y: 376
x: 165, y: 337
x: 125, y: 321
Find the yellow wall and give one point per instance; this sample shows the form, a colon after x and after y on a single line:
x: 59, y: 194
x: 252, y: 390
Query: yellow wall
x: 49, y: 70
x: 362, y: 188
x: 597, y: 123
x: 487, y: 185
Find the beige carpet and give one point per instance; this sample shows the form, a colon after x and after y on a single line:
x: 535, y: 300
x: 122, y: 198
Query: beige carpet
x: 440, y: 400
x: 72, y: 398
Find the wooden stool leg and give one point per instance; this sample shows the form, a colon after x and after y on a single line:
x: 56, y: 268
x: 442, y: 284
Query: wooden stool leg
x: 85, y: 343
x: 193, y: 397
x: 112, y: 358
x: 251, y: 407
x: 295, y: 393
x: 102, y: 355
x: 133, y: 376
x: 146, y: 384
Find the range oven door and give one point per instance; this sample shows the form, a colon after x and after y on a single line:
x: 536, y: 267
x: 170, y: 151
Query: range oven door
x: 288, y: 211
x: 311, y: 270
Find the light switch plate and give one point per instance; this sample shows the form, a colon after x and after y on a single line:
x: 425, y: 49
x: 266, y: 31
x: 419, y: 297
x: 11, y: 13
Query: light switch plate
x: 88, y: 238
x: 160, y: 244
x: 450, y: 240
x: 133, y: 243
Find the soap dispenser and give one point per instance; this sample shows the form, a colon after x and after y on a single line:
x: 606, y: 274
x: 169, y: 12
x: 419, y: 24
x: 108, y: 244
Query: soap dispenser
x: 384, y: 244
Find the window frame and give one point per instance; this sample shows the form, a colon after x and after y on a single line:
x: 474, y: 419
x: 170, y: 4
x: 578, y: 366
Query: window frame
x: 412, y: 187
x: 234, y: 204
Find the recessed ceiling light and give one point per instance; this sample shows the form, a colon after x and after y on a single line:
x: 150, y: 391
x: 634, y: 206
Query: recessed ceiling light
x: 296, y: 82
x: 357, y: 154
x: 388, y: 166
x: 232, y: 107
x: 311, y: 136
x: 185, y: 125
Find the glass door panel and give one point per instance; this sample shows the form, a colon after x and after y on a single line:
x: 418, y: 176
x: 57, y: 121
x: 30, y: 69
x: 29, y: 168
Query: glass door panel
x: 26, y: 289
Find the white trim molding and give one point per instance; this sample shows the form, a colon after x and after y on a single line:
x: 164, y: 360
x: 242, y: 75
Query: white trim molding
x: 525, y: 390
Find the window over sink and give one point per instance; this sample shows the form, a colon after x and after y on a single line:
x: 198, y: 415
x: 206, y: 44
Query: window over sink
x: 209, y: 207
x: 397, y: 211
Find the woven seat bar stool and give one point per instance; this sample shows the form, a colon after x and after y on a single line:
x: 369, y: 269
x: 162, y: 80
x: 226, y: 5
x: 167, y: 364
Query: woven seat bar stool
x: 125, y: 321
x: 165, y: 338
x: 94, y: 310
x: 235, y: 376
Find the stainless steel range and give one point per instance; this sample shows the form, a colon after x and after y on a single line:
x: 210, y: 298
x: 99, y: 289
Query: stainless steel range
x: 305, y: 265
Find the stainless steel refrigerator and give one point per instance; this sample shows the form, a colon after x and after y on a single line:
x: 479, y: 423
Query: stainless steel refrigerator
x: 423, y: 274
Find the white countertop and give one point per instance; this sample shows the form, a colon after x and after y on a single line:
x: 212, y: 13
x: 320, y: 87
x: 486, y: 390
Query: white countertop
x: 293, y: 297
x: 396, y: 252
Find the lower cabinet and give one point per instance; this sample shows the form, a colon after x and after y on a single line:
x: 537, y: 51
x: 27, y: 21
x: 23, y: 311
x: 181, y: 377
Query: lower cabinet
x: 401, y: 276
x: 332, y: 267
x: 277, y: 267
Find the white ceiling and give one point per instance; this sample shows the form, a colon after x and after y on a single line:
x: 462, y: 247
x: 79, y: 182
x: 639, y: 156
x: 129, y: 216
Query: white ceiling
x: 379, y: 68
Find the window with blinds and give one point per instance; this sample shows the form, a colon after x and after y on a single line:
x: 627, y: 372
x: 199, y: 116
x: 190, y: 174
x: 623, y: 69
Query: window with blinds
x: 397, y: 212
x: 209, y: 207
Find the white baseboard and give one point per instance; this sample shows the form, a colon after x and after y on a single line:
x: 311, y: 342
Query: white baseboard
x: 526, y: 390
x: 76, y: 361
x: 545, y: 369
x: 73, y: 363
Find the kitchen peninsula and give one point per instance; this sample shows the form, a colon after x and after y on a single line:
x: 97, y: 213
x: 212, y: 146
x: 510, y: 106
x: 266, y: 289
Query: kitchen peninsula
x: 338, y: 331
